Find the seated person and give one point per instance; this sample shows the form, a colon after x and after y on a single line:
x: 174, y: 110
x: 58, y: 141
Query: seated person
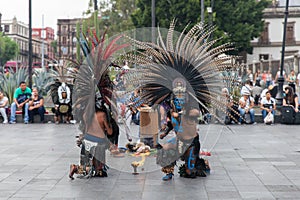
x: 268, y: 105
x: 63, y: 108
x: 3, y: 107
x: 135, y: 105
x: 36, y: 106
x: 232, y: 110
x: 21, y: 99
x: 246, y: 104
x: 290, y: 99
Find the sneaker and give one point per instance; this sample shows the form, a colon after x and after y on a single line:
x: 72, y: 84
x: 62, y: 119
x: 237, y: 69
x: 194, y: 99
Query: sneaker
x: 200, y: 173
x: 73, y: 170
x: 167, y: 177
x: 5, y: 122
x: 101, y: 173
x: 12, y: 122
x: 26, y: 122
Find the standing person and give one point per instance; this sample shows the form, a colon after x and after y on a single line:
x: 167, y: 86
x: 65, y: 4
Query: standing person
x: 292, y: 80
x: 290, y: 99
x: 278, y: 74
x: 268, y: 105
x: 264, y: 77
x: 21, y: 99
x: 36, y: 106
x: 3, y: 107
x: 257, y: 78
x: 269, y: 79
x: 250, y: 75
x: 298, y: 82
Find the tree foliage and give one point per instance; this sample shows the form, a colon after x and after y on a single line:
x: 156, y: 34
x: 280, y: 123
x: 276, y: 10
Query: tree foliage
x: 236, y: 21
x: 114, y: 16
x: 10, y: 82
x: 239, y: 21
x: 8, y: 49
x: 186, y: 12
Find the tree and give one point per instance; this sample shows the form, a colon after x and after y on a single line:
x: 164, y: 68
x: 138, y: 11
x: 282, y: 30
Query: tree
x: 8, y: 49
x: 236, y: 21
x: 114, y: 16
x: 185, y: 12
x: 239, y: 22
x: 54, y: 46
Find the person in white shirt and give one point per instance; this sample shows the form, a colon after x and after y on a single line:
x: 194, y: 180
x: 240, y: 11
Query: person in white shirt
x: 250, y: 75
x: 268, y: 105
x: 125, y: 67
x: 64, y: 94
x: 247, y: 87
x: 298, y: 83
x: 246, y: 104
x: 278, y: 74
x: 3, y: 106
x: 269, y: 79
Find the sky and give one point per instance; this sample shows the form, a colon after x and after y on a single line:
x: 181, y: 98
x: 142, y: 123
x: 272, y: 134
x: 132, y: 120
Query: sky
x: 51, y: 9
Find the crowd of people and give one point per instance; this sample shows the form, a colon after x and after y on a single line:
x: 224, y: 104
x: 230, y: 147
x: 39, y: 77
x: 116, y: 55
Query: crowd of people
x: 260, y: 90
x: 31, y: 103
x: 175, y: 96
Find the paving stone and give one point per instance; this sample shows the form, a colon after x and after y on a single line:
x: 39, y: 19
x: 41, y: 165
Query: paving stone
x: 249, y: 162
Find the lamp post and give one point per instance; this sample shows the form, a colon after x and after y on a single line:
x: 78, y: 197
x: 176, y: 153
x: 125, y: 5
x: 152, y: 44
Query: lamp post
x: 74, y: 40
x: 0, y: 22
x: 209, y: 10
x: 0, y: 33
x: 202, y: 11
x: 279, y: 96
x: 153, y: 20
x: 30, y: 48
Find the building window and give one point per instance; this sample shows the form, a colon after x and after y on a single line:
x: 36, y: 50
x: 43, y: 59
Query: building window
x: 6, y: 28
x: 263, y: 56
x: 64, y: 29
x: 264, y: 37
x: 64, y: 40
x: 290, y: 32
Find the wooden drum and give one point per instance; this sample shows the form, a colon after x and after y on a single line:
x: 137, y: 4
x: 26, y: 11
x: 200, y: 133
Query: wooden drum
x: 148, y: 122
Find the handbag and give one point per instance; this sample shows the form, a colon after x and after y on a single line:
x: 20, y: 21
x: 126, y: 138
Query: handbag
x: 269, y: 119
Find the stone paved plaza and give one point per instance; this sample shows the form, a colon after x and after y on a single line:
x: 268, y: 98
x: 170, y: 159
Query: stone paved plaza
x: 247, y: 162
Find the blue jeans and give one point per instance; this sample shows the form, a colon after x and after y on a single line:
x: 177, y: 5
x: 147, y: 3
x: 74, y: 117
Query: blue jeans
x: 243, y: 112
x: 264, y: 113
x: 37, y: 111
x: 13, y: 109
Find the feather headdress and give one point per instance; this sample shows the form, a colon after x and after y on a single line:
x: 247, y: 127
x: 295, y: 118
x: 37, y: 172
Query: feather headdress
x: 191, y: 57
x: 92, y: 78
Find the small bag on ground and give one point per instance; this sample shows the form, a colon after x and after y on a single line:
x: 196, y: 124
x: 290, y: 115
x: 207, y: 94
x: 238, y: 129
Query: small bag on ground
x: 269, y: 119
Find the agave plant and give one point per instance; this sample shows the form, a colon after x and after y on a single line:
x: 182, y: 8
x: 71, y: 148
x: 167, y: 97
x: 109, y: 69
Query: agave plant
x: 41, y: 79
x: 10, y: 82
